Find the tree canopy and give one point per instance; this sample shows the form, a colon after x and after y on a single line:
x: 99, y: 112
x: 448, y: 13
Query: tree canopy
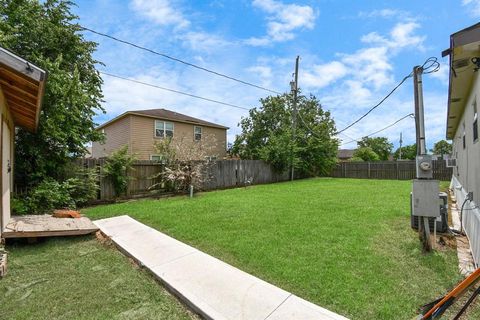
x: 442, y: 148
x: 409, y: 152
x: 380, y: 145
x: 365, y: 154
x: 45, y: 34
x: 267, y: 135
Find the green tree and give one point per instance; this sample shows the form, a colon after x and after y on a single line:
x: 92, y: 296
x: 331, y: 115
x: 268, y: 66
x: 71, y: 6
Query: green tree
x: 44, y: 33
x: 267, y: 135
x: 380, y: 145
x: 366, y: 154
x: 442, y: 148
x: 408, y: 152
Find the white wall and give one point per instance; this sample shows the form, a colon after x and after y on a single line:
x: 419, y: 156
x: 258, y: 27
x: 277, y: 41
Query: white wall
x: 467, y: 173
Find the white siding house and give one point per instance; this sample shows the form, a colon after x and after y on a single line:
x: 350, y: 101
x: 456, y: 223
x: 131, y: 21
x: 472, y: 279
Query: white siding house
x: 463, y: 127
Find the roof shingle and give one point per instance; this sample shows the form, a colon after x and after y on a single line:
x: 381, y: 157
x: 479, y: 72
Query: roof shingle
x: 167, y: 115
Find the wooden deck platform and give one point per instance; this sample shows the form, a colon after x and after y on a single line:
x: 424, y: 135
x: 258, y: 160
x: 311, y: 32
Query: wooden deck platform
x: 31, y: 226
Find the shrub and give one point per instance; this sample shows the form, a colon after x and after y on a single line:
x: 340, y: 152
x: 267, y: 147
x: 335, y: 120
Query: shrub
x: 82, y: 187
x: 19, y: 205
x: 116, y: 168
x: 51, y: 194
x: 366, y: 154
x: 48, y: 195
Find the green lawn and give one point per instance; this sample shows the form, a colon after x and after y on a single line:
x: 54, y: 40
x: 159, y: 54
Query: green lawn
x: 344, y: 244
x: 79, y: 278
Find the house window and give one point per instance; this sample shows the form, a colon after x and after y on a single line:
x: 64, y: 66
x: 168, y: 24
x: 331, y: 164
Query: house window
x: 155, y: 157
x: 197, y: 133
x: 163, y: 129
x: 475, y: 121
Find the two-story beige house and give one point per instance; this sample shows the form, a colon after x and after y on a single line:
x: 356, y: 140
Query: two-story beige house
x: 141, y: 129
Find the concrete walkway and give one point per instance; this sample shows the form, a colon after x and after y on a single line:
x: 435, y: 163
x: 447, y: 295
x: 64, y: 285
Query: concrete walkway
x: 212, y: 288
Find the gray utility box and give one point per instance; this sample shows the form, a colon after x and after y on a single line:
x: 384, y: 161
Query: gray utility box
x: 424, y: 166
x: 441, y: 221
x: 425, y: 198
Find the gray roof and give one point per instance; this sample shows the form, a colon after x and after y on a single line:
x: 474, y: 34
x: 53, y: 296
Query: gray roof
x: 345, y: 153
x: 165, y: 114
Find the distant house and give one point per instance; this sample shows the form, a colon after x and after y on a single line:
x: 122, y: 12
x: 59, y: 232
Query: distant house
x: 462, y: 127
x: 141, y: 129
x: 345, y: 154
x: 21, y: 94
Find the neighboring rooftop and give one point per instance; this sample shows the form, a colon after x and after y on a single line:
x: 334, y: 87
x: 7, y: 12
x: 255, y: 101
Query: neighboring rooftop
x: 166, y: 115
x: 345, y: 153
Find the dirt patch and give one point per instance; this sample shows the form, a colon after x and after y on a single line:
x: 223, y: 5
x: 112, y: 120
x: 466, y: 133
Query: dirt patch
x: 103, y: 239
x: 446, y: 242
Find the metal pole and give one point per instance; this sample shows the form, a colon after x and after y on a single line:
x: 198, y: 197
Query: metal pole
x: 400, y: 150
x: 423, y: 226
x: 294, y: 115
x: 419, y: 110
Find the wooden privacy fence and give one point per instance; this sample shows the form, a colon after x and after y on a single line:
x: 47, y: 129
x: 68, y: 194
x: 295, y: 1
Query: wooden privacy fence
x: 233, y: 173
x: 399, y: 170
x: 140, y: 177
x: 222, y: 174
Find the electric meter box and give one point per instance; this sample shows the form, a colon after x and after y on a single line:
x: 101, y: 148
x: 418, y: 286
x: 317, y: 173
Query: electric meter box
x: 425, y: 198
x: 424, y: 166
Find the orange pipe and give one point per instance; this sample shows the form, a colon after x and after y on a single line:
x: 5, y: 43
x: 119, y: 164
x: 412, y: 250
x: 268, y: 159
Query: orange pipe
x: 457, y: 291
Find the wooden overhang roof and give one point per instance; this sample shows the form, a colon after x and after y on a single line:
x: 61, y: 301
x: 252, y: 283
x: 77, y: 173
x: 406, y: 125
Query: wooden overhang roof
x: 22, y: 84
x: 464, y: 45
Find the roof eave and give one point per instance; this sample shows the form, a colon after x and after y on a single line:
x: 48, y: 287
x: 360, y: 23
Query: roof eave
x: 26, y: 69
x: 156, y: 117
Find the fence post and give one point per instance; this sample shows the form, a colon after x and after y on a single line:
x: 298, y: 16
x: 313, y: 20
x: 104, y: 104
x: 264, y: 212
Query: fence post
x: 396, y: 167
x: 368, y: 169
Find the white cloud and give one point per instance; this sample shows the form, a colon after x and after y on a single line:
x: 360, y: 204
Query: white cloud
x: 401, y: 36
x: 203, y: 41
x: 473, y: 6
x: 384, y: 13
x: 442, y: 74
x: 370, y: 65
x: 323, y: 75
x: 283, y: 21
x: 161, y: 12
x: 264, y: 72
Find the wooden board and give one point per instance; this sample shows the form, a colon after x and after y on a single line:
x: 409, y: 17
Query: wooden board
x: 46, y: 226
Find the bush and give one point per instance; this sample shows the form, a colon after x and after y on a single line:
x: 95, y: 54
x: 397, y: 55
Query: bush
x: 366, y: 154
x: 51, y: 194
x: 19, y: 205
x: 83, y: 187
x: 116, y: 168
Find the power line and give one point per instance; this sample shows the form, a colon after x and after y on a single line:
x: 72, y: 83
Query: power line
x: 178, y: 60
x: 411, y: 115
x: 172, y: 90
x: 429, y: 66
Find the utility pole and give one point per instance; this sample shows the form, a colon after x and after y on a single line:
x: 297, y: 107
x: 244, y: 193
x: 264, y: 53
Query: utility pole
x: 419, y: 112
x: 294, y: 88
x: 425, y: 189
x: 400, y: 149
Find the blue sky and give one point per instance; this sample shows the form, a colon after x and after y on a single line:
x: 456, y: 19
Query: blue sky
x: 352, y: 54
